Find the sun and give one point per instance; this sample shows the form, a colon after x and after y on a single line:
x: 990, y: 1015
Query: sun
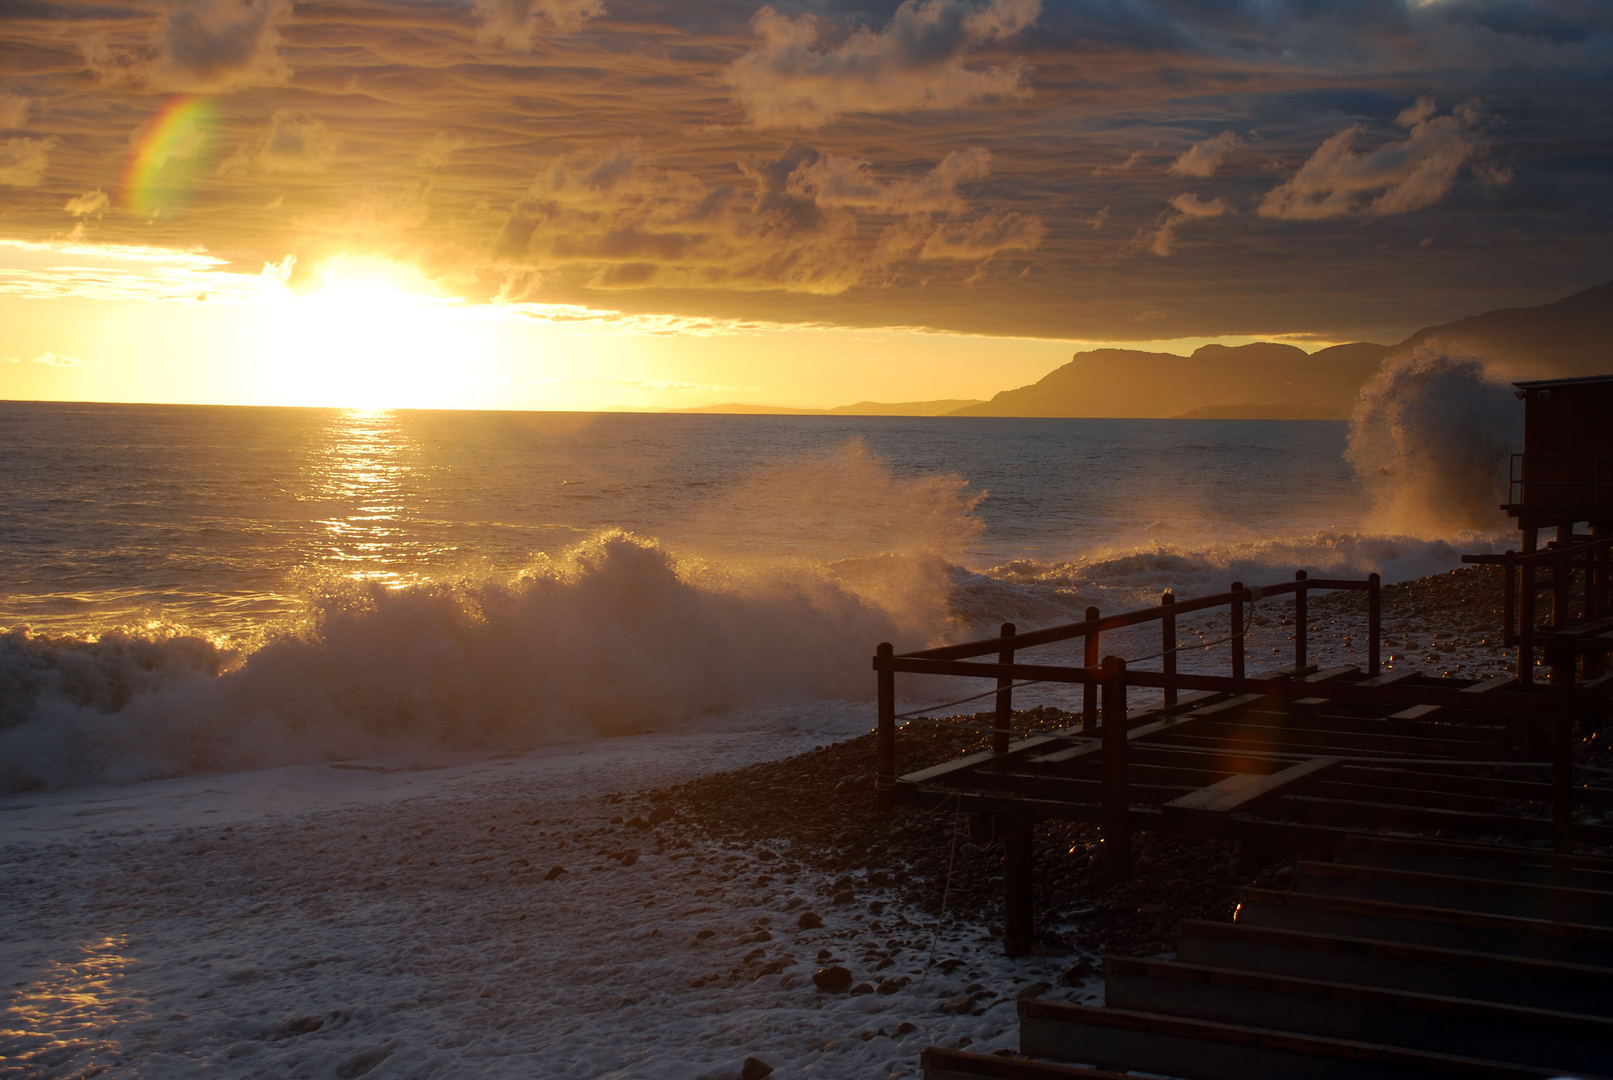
x: 372, y: 334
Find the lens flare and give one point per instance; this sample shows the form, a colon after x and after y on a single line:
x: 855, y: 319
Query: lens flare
x: 171, y: 151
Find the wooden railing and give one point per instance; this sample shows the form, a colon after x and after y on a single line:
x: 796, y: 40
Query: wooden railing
x: 1114, y: 676
x: 1569, y: 555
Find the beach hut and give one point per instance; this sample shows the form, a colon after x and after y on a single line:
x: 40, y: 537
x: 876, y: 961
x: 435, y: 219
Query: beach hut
x: 1563, y: 477
x: 1565, y: 473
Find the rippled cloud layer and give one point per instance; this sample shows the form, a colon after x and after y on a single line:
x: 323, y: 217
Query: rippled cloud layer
x: 1121, y: 169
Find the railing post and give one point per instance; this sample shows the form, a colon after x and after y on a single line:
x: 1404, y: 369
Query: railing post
x: 1019, y: 914
x: 1005, y: 697
x: 1562, y: 770
x: 1374, y: 623
x: 1526, y: 604
x: 1509, y: 600
x: 1599, y: 569
x: 1237, y: 629
x: 885, y: 771
x: 1116, y: 790
x: 1301, y: 620
x: 1167, y: 635
x: 1561, y: 577
x: 1089, y: 659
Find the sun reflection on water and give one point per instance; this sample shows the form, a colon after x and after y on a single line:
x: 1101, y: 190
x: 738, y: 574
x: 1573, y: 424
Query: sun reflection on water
x: 62, y: 1023
x: 363, y: 472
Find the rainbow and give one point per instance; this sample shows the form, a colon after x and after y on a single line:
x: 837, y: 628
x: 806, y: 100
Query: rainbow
x: 171, y: 150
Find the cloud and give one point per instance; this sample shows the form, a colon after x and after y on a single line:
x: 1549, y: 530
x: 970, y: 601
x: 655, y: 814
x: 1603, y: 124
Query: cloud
x: 802, y: 229
x: 807, y: 71
x: 1203, y: 159
x: 1190, y: 205
x: 843, y: 181
x: 13, y: 111
x: 91, y: 203
x: 53, y: 360
x: 437, y: 150
x: 1125, y: 166
x: 992, y: 234
x: 513, y: 22
x: 23, y: 160
x: 294, y: 143
x: 1183, y: 208
x: 1394, y: 178
x: 198, y: 45
x: 117, y: 272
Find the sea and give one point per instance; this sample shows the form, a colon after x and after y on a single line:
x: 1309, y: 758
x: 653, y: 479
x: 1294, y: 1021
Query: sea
x: 191, y: 588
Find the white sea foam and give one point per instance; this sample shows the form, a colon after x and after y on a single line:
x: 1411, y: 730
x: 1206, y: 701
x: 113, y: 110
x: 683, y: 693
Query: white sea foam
x: 615, y: 636
x: 770, y: 589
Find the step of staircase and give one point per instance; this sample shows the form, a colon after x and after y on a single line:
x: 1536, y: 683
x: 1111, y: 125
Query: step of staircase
x: 1203, y: 1050
x: 1480, y: 976
x: 1445, y: 928
x: 1444, y: 1025
x: 1502, y: 863
x: 1588, y: 906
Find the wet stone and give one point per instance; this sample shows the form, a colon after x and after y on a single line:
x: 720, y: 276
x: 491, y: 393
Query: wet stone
x: 832, y: 980
x: 1075, y: 973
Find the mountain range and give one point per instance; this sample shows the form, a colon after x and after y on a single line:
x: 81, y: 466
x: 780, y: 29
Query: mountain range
x: 1267, y: 380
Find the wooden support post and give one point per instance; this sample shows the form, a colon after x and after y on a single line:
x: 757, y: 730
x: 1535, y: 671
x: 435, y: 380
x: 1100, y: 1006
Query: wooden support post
x: 1167, y: 636
x: 1595, y: 663
x: 1116, y: 790
x: 1301, y: 620
x: 885, y: 772
x: 1374, y: 623
x: 1560, y: 662
x: 1590, y: 579
x: 1562, y: 772
x: 1526, y: 604
x: 1005, y: 697
x: 1237, y: 629
x: 1089, y: 696
x: 1509, y: 600
x: 1561, y: 577
x: 1019, y: 916
x: 1599, y: 572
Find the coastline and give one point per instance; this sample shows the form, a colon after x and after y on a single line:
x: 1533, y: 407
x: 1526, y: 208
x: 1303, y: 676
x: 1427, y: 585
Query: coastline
x: 376, y: 920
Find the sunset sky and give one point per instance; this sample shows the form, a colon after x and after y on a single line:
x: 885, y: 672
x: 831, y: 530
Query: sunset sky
x: 598, y: 203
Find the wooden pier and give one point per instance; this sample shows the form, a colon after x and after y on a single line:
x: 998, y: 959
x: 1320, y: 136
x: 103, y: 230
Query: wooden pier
x: 1405, y: 948
x: 1394, y: 954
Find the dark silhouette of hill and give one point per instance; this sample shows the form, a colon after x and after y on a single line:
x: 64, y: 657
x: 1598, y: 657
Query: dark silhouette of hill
x: 1265, y: 380
x: 1572, y: 336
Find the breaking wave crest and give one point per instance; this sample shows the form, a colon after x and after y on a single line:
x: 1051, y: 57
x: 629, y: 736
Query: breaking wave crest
x: 611, y: 638
x: 617, y: 635
x: 1035, y: 593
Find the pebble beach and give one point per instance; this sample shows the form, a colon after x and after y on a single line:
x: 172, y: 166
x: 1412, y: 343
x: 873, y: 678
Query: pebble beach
x: 696, y: 904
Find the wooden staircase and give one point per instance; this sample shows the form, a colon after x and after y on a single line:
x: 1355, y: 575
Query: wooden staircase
x: 1408, y: 959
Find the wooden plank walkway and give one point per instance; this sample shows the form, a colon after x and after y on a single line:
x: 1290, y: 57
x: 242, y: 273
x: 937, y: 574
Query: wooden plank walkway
x: 1407, y: 957
x: 1309, y: 985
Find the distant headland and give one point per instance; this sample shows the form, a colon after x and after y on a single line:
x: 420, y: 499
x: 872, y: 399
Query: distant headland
x: 1270, y: 381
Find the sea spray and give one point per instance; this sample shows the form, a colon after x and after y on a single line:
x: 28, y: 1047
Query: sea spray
x: 1430, y: 436
x: 263, y: 620
x: 609, y: 638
